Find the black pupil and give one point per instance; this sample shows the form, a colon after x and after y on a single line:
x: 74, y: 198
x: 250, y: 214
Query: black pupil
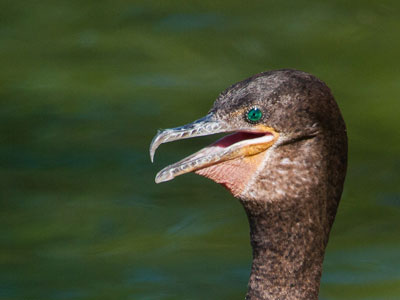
x: 254, y: 115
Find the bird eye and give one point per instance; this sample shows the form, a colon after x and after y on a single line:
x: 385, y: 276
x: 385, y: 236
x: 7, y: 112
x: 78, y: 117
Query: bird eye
x: 254, y: 115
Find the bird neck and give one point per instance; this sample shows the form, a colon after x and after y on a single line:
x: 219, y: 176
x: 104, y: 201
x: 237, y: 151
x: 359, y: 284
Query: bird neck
x: 288, y: 250
x: 291, y: 207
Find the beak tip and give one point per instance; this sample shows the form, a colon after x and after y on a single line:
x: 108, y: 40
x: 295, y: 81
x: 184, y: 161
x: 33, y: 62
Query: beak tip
x: 162, y: 177
x: 151, y: 157
x: 154, y: 144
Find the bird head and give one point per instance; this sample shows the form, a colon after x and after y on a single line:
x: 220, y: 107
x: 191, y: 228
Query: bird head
x: 259, y: 115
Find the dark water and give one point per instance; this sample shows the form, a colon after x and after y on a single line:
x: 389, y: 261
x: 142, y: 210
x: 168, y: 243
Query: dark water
x: 84, y: 85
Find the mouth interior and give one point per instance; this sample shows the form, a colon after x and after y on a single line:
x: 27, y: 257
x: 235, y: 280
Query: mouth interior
x: 240, y: 136
x: 238, y: 144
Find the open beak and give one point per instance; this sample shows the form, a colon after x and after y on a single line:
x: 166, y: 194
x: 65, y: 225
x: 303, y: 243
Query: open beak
x: 245, y: 141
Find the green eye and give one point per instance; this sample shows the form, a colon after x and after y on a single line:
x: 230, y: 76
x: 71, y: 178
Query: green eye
x: 254, y: 115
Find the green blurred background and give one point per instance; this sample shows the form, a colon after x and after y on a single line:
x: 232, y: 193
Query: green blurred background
x: 84, y: 85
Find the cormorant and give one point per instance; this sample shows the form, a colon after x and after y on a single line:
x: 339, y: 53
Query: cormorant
x: 285, y: 160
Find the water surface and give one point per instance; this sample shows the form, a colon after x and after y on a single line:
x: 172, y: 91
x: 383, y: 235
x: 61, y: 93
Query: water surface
x: 85, y: 85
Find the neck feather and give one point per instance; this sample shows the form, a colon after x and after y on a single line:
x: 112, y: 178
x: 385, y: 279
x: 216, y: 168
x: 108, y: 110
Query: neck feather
x: 288, y: 250
x: 291, y: 207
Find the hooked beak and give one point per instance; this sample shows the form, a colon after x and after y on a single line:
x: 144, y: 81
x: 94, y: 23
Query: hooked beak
x: 246, y: 141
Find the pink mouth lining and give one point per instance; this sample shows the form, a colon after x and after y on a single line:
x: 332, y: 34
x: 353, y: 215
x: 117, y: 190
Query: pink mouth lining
x: 238, y: 137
